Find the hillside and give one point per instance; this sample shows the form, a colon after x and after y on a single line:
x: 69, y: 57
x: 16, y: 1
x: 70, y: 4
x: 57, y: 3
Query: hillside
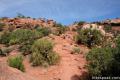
x: 8, y: 73
x: 23, y: 36
x: 26, y: 23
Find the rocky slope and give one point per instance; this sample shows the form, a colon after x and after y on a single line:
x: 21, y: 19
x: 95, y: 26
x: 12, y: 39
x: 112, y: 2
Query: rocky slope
x: 71, y: 67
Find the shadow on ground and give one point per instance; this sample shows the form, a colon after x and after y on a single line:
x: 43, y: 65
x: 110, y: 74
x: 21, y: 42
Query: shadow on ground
x: 84, y: 76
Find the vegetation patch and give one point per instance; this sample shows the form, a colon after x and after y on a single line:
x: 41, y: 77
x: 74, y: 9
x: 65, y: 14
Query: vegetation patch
x: 22, y: 37
x: 16, y: 62
x: 75, y: 50
x: 5, y: 51
x: 60, y: 29
x: 108, y: 28
x: 43, y: 54
x: 2, y: 25
x: 104, y: 61
x: 19, y: 36
x: 89, y: 37
x: 45, y: 31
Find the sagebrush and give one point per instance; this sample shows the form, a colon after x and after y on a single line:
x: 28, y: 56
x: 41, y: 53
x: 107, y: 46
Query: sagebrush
x: 42, y: 53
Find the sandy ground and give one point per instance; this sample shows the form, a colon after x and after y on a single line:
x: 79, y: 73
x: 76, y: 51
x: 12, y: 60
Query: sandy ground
x: 71, y: 66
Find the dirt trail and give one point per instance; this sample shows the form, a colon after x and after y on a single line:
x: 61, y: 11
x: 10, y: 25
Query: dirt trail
x: 70, y: 66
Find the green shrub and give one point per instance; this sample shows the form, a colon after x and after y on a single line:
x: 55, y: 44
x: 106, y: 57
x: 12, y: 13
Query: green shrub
x: 80, y: 23
x: 1, y: 53
x: 2, y: 26
x: 89, y: 37
x: 23, y: 37
x: 108, y: 28
x: 99, y: 60
x: 5, y: 38
x: 19, y: 15
x: 60, y: 29
x: 45, y: 31
x: 6, y: 51
x: 16, y: 62
x: 58, y: 25
x: 25, y: 48
x: 53, y: 58
x: 114, y: 66
x: 104, y: 61
x: 42, y: 53
x: 76, y: 50
x: 19, y: 36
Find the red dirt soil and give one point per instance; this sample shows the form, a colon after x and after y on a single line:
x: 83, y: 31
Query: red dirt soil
x: 9, y: 73
x: 71, y: 66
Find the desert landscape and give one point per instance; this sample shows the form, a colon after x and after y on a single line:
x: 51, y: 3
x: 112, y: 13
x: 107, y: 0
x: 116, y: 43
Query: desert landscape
x: 42, y: 49
x: 59, y: 39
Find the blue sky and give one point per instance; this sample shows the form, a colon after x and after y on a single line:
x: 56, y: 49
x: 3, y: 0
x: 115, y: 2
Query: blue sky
x: 63, y: 11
